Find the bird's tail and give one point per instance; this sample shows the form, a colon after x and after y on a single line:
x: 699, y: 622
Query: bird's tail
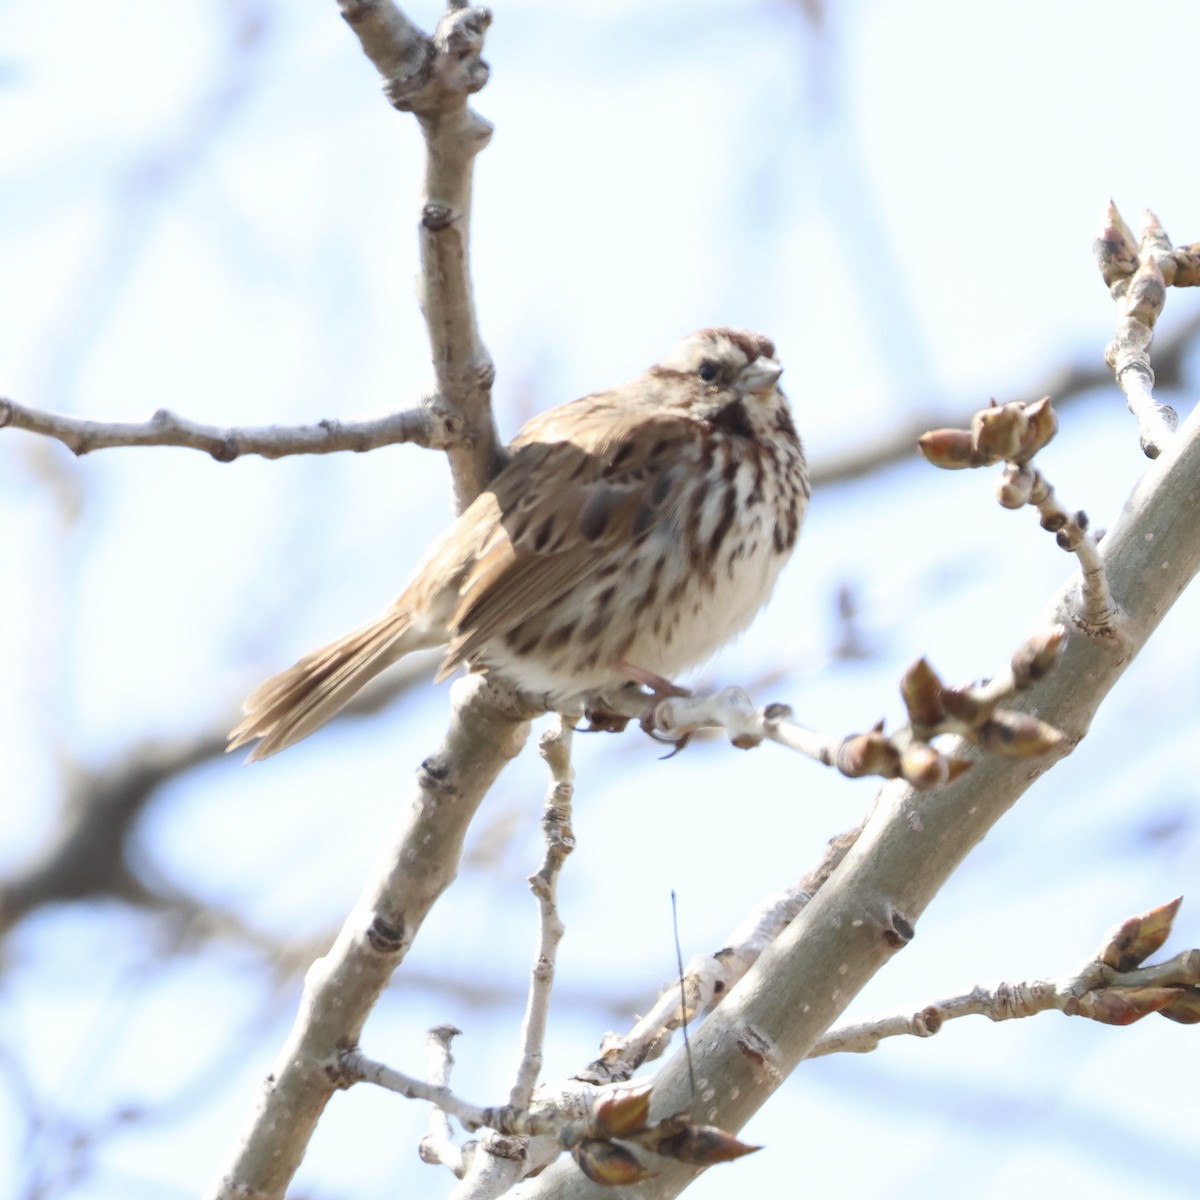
x: 291, y: 705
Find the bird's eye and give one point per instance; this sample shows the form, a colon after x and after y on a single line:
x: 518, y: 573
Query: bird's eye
x: 709, y: 370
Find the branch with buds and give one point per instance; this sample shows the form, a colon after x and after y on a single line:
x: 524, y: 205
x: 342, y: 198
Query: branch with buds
x: 1112, y: 987
x: 1013, y: 434
x: 934, y: 708
x: 603, y: 1126
x: 1137, y: 272
x: 599, y: 1127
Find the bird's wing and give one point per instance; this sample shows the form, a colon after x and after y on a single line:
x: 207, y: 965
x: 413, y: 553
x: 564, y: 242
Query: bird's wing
x: 586, y: 482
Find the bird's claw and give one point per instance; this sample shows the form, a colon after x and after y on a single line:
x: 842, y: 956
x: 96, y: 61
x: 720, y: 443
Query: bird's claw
x: 603, y: 720
x: 660, y: 689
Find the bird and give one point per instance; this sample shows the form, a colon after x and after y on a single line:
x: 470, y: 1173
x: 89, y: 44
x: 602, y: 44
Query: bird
x: 630, y: 535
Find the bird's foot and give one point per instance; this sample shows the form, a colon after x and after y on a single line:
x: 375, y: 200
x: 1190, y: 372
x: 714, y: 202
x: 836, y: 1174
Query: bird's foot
x: 660, y: 689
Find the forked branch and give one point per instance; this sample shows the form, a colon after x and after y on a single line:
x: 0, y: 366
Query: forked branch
x: 432, y: 77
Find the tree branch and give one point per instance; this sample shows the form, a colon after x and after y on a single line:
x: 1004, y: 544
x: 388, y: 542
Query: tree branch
x: 1104, y: 989
x: 709, y: 978
x: 1069, y: 383
x: 1013, y: 434
x: 429, y: 426
x: 487, y: 728
x: 431, y: 77
x: 89, y: 855
x: 1137, y: 273
x: 438, y: 1145
x: 555, y: 748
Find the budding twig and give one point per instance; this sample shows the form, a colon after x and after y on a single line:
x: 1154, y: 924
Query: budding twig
x: 934, y: 708
x: 598, y: 1126
x: 1013, y: 434
x: 1138, y: 273
x: 1098, y: 609
x: 1112, y: 988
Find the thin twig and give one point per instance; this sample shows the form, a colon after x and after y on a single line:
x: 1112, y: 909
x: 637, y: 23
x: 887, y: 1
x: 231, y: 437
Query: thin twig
x: 698, y: 989
x: 1138, y: 273
x: 709, y: 978
x: 1013, y: 434
x: 438, y: 1145
x: 1098, y: 609
x: 429, y: 426
x: 1097, y: 992
x: 683, y: 1005
x: 555, y: 747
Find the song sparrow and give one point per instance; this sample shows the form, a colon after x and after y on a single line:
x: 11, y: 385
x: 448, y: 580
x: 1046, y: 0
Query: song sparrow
x: 631, y: 534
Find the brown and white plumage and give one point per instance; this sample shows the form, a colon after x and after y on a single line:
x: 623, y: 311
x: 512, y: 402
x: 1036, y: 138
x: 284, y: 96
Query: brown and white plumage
x: 632, y: 533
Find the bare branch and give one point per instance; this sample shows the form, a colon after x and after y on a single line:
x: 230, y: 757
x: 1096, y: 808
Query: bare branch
x: 555, y: 748
x: 429, y: 426
x: 438, y: 1145
x: 487, y: 728
x: 432, y: 78
x: 355, y: 1067
x: 709, y: 978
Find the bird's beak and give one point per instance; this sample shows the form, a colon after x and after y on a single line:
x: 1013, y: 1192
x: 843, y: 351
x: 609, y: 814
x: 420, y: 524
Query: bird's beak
x: 761, y: 375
